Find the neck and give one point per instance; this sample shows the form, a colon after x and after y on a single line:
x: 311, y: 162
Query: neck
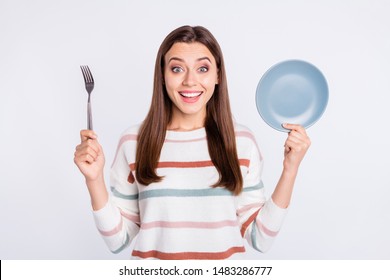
x: 186, y: 122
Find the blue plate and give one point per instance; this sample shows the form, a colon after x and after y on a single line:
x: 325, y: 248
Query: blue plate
x: 292, y: 91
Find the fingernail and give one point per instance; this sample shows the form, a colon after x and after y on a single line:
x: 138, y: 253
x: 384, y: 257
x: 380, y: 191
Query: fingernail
x: 285, y: 124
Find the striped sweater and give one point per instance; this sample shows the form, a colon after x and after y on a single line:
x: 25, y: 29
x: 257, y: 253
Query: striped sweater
x: 183, y: 217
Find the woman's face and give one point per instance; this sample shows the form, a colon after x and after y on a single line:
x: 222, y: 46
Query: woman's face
x: 190, y: 77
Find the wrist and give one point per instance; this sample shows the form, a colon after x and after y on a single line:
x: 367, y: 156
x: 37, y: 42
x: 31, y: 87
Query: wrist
x: 96, y: 187
x: 290, y: 172
x: 95, y: 181
x: 98, y: 192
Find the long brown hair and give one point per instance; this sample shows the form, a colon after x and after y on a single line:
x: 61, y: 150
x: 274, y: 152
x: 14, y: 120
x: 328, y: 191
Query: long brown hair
x: 218, y: 123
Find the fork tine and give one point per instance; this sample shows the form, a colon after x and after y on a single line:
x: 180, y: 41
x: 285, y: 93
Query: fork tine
x: 83, y: 71
x: 88, y: 78
x: 90, y: 74
x: 87, y: 73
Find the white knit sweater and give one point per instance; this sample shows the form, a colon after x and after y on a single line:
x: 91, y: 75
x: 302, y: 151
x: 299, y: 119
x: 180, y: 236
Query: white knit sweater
x: 182, y: 217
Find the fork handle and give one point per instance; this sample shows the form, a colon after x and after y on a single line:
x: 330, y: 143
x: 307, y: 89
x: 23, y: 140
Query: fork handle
x: 89, y: 117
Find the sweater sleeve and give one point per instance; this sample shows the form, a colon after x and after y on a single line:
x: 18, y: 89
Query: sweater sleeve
x: 118, y: 221
x: 260, y: 218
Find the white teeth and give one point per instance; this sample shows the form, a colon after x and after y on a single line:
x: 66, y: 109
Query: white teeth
x: 192, y: 94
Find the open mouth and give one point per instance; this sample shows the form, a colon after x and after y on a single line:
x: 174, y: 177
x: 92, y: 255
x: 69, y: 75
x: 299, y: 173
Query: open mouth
x: 190, y: 96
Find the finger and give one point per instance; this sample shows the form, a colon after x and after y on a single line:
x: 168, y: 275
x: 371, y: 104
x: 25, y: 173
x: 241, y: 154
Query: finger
x: 295, y: 127
x: 85, y: 155
x: 99, y: 149
x: 296, y: 134
x: 293, y: 138
x: 299, y: 135
x: 88, y: 149
x: 291, y: 146
x: 79, y: 147
x: 300, y: 138
x: 87, y: 134
x: 86, y: 158
x: 90, y: 143
x: 296, y: 146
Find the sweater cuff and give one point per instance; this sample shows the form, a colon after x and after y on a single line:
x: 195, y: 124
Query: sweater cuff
x: 272, y: 216
x: 107, y: 217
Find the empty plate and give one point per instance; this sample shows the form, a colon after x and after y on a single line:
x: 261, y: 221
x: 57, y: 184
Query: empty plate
x: 292, y: 91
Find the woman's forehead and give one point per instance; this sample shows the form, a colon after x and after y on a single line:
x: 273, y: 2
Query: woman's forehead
x: 189, y: 52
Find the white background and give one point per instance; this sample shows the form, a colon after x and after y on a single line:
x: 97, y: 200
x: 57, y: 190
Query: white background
x: 340, y: 206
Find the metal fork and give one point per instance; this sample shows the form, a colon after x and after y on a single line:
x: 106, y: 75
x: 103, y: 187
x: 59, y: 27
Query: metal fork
x: 89, y: 84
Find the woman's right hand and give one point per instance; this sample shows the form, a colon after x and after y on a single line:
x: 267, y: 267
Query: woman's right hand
x: 89, y: 156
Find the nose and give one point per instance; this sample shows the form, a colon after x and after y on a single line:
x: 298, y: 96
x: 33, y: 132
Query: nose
x: 189, y: 79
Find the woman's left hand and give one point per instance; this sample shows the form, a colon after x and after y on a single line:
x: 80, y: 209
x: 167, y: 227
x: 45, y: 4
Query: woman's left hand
x: 295, y: 147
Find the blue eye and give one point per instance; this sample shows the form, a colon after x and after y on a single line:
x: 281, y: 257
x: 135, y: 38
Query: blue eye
x: 177, y: 69
x: 203, y: 69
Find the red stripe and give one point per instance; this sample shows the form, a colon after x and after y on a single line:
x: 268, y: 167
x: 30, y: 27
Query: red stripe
x: 190, y: 164
x: 249, y: 207
x: 184, y: 224
x: 266, y: 230
x: 130, y: 178
x: 127, y: 137
x: 134, y: 218
x: 133, y: 137
x: 259, y: 225
x: 188, y: 255
x: 248, y: 222
x: 185, y: 141
x: 114, y: 231
x: 249, y: 135
x: 185, y: 164
x: 244, y: 162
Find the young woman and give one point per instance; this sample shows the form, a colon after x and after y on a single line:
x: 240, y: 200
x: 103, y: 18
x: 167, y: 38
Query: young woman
x: 187, y: 181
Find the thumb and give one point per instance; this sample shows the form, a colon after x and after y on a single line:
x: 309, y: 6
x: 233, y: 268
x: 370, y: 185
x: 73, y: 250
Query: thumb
x: 87, y: 134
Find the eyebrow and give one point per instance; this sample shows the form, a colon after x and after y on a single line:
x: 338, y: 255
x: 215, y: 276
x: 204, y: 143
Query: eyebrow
x: 182, y: 60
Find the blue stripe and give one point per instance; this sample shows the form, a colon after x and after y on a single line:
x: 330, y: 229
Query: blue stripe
x: 123, y: 246
x: 259, y: 186
x: 182, y: 193
x: 124, y: 196
x: 185, y: 193
x: 193, y: 192
x: 253, y: 236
